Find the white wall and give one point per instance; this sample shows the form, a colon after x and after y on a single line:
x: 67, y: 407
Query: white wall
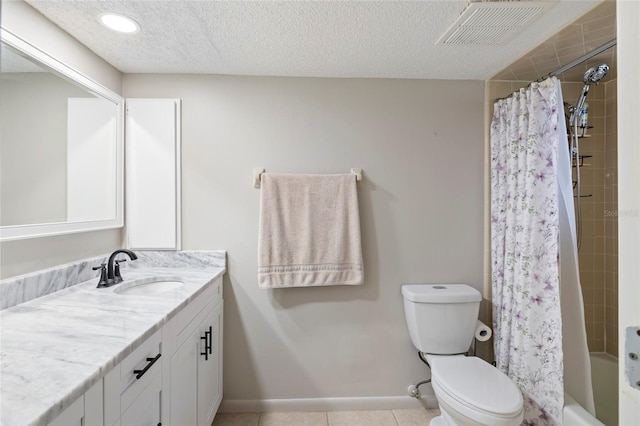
x: 19, y: 257
x: 420, y: 144
x: 628, y: 197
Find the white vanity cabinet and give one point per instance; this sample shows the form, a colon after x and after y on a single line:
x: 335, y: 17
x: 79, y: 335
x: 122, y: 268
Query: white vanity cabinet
x: 194, y: 370
x: 172, y: 378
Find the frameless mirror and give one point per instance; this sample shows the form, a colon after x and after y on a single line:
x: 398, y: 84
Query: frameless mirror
x: 60, y: 147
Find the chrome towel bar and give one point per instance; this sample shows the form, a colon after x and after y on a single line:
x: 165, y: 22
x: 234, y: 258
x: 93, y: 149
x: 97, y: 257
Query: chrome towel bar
x: 258, y: 171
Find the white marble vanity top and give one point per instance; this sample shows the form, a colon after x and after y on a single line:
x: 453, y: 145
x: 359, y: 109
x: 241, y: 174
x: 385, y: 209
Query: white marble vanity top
x: 55, y: 347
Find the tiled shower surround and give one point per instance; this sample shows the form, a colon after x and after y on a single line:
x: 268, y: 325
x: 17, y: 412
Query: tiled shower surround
x: 598, y: 253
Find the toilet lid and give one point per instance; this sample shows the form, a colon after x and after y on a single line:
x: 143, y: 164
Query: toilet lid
x: 476, y: 383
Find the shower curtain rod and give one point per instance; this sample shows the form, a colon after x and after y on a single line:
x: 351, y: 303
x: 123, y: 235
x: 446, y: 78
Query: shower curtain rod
x: 576, y: 62
x: 581, y: 59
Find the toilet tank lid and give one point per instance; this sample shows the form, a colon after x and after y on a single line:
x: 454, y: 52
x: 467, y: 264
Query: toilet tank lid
x: 440, y: 293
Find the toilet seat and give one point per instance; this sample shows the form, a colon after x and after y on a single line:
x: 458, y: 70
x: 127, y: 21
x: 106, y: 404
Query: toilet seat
x: 475, y: 389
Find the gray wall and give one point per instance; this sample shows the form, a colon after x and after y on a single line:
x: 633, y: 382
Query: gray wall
x: 420, y: 144
x: 19, y: 257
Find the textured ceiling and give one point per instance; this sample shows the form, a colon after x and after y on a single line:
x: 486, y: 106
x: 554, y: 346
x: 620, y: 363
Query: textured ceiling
x: 387, y: 39
x: 588, y: 32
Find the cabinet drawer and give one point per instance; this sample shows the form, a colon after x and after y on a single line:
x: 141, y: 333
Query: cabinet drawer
x: 184, y: 320
x: 145, y: 356
x: 137, y: 360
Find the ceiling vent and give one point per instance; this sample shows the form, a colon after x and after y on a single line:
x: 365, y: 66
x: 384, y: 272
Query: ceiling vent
x: 494, y: 22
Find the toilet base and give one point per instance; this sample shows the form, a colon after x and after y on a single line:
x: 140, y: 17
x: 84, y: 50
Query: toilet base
x: 445, y: 419
x: 450, y: 417
x: 438, y: 421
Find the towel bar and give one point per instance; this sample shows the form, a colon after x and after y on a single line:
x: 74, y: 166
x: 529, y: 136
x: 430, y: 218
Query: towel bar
x: 258, y: 171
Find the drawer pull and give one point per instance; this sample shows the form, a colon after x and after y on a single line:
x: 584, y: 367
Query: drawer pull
x: 151, y: 361
x: 210, y: 338
x: 207, y: 344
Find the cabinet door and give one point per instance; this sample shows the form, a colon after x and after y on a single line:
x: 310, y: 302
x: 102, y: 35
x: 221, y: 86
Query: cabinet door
x: 153, y: 174
x: 145, y: 410
x: 210, y: 369
x: 184, y: 384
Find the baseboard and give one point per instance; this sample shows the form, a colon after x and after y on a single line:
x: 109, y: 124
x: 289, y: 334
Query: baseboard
x: 326, y: 404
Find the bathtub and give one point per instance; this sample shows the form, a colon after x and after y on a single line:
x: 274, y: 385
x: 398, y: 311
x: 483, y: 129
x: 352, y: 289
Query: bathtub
x: 604, y: 373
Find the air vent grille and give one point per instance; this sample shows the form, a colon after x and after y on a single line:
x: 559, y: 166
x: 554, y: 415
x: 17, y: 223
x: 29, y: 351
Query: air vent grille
x: 493, y: 23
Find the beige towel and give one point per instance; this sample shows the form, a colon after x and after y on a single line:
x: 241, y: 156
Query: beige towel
x: 309, y: 231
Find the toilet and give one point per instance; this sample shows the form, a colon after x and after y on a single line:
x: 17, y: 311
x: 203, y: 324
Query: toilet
x: 442, y: 319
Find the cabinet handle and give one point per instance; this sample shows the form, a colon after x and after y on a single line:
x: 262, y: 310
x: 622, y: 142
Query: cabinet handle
x: 151, y: 361
x: 206, y: 346
x: 210, y: 339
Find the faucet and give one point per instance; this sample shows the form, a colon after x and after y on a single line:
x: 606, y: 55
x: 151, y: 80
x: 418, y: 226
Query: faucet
x: 111, y: 274
x: 115, y: 278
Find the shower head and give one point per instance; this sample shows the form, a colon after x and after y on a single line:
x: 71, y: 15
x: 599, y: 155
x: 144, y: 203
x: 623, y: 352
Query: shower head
x: 592, y: 76
x: 595, y: 74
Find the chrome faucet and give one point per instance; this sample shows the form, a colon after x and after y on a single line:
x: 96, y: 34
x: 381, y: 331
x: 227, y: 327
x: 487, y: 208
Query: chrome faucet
x: 111, y: 274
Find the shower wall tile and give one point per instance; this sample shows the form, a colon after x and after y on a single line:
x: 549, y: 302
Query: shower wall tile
x: 587, y: 245
x: 596, y: 109
x: 598, y: 162
x: 611, y: 217
x: 598, y: 263
x: 588, y: 228
x: 599, y: 328
x: 598, y: 278
x: 595, y: 345
x: 593, y: 242
x: 588, y: 212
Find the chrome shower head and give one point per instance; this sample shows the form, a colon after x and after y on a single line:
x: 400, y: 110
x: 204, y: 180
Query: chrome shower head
x: 595, y: 74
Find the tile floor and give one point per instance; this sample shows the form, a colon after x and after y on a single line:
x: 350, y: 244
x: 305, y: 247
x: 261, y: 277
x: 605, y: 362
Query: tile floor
x: 411, y: 417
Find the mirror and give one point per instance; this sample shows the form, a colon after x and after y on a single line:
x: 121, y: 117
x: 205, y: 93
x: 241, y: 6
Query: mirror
x: 61, y: 147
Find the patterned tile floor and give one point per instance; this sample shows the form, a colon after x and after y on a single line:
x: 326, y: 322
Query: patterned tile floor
x: 411, y: 417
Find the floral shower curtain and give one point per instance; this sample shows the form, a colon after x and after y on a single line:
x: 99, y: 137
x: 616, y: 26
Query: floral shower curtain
x: 526, y: 134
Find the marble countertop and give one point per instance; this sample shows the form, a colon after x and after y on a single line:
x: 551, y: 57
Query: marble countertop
x: 55, y: 347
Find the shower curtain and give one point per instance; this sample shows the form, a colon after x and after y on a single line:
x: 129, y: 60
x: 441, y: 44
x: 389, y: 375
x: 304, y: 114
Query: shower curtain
x: 527, y: 132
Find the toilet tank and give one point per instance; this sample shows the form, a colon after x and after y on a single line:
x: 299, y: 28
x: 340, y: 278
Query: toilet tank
x: 441, y: 318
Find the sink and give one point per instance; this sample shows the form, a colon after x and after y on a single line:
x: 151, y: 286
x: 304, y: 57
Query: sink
x: 152, y: 287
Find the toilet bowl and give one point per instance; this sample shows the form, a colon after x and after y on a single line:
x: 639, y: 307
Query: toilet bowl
x: 471, y: 391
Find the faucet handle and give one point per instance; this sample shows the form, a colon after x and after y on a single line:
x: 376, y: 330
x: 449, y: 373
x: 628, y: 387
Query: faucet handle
x: 117, y: 278
x: 103, y: 275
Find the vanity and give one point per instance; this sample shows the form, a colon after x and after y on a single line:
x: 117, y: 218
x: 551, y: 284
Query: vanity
x: 147, y: 351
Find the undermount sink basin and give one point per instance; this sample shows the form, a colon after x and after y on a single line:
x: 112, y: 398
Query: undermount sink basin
x: 152, y: 287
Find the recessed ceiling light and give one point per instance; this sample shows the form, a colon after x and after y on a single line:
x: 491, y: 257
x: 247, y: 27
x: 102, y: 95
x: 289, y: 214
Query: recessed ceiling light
x: 119, y: 23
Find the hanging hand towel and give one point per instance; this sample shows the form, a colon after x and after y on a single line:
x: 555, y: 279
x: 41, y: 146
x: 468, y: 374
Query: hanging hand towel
x: 309, y: 231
